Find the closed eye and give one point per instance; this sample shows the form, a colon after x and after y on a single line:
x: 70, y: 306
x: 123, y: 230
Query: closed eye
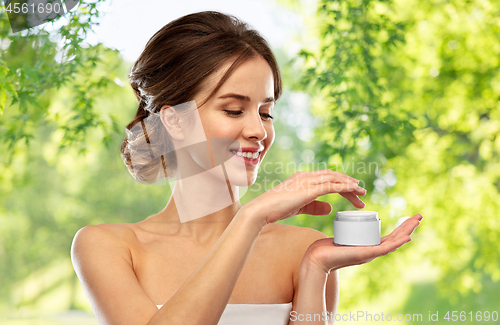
x: 236, y: 113
x: 233, y: 113
x: 267, y: 116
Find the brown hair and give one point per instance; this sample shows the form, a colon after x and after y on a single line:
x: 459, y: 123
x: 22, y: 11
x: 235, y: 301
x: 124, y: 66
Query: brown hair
x: 171, y: 71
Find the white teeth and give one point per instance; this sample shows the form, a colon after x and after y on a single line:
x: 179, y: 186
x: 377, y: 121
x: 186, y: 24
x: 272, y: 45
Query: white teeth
x: 248, y: 155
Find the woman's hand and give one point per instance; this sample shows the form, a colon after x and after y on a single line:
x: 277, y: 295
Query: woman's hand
x: 326, y: 255
x: 298, y: 193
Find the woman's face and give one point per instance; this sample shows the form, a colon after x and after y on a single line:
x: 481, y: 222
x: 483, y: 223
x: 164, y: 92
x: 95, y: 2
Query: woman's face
x: 236, y: 118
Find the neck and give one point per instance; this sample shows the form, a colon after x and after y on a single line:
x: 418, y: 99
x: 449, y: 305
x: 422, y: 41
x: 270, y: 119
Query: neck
x: 202, y: 206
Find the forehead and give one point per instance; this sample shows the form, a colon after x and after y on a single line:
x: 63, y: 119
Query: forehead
x: 253, y: 76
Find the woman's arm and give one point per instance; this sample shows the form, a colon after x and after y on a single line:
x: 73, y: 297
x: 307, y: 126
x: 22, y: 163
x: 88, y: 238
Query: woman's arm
x: 311, y: 303
x: 106, y: 273
x: 204, y: 296
x: 317, y: 292
x: 313, y: 306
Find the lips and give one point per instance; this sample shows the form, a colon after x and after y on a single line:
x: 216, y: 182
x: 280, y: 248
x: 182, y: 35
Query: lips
x: 250, y: 156
x: 246, y: 154
x: 247, y: 149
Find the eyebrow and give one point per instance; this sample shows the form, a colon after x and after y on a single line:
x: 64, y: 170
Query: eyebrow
x: 245, y: 98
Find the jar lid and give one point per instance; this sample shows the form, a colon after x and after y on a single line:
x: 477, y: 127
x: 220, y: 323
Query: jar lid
x: 354, y: 216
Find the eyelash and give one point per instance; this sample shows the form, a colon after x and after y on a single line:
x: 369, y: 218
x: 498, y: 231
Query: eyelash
x: 236, y: 113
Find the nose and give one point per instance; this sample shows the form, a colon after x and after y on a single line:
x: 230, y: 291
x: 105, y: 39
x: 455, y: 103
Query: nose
x: 254, y: 128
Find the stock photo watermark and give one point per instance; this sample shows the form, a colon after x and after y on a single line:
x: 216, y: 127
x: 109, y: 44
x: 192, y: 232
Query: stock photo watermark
x: 358, y: 167
x: 272, y: 169
x: 430, y: 316
x: 25, y: 14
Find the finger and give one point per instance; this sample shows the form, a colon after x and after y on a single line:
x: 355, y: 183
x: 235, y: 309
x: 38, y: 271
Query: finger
x: 383, y: 239
x: 345, y: 186
x: 398, y: 242
x: 401, y: 235
x: 337, y: 174
x: 330, y: 176
x: 316, y: 208
x: 359, y: 191
x: 406, y: 228
x: 409, y: 225
x: 341, y: 185
x: 390, y: 245
x: 356, y: 201
x: 326, y: 184
x: 394, y: 238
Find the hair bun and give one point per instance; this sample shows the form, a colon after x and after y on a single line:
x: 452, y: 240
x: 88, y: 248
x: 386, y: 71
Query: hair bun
x: 148, y: 151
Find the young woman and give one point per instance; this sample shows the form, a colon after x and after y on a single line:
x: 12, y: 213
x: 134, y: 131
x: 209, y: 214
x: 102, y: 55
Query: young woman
x: 206, y: 86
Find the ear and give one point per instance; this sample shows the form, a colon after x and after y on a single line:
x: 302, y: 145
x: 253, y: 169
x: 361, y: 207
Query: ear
x: 171, y: 122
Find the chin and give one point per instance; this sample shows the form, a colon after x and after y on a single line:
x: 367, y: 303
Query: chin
x: 251, y: 179
x: 241, y: 179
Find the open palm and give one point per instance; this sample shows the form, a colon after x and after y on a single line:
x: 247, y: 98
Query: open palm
x: 327, y: 255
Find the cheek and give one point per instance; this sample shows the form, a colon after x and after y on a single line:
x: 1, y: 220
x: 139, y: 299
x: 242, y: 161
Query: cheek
x: 270, y: 136
x: 215, y: 127
x: 221, y: 131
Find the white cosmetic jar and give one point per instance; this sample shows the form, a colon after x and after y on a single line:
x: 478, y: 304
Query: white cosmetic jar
x: 356, y: 228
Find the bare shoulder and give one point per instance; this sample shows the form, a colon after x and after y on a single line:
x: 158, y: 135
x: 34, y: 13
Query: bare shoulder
x: 94, y: 241
x: 103, y: 263
x: 89, y: 235
x: 115, y: 235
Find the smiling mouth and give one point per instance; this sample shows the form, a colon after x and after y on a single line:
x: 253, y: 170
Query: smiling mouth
x: 247, y: 154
